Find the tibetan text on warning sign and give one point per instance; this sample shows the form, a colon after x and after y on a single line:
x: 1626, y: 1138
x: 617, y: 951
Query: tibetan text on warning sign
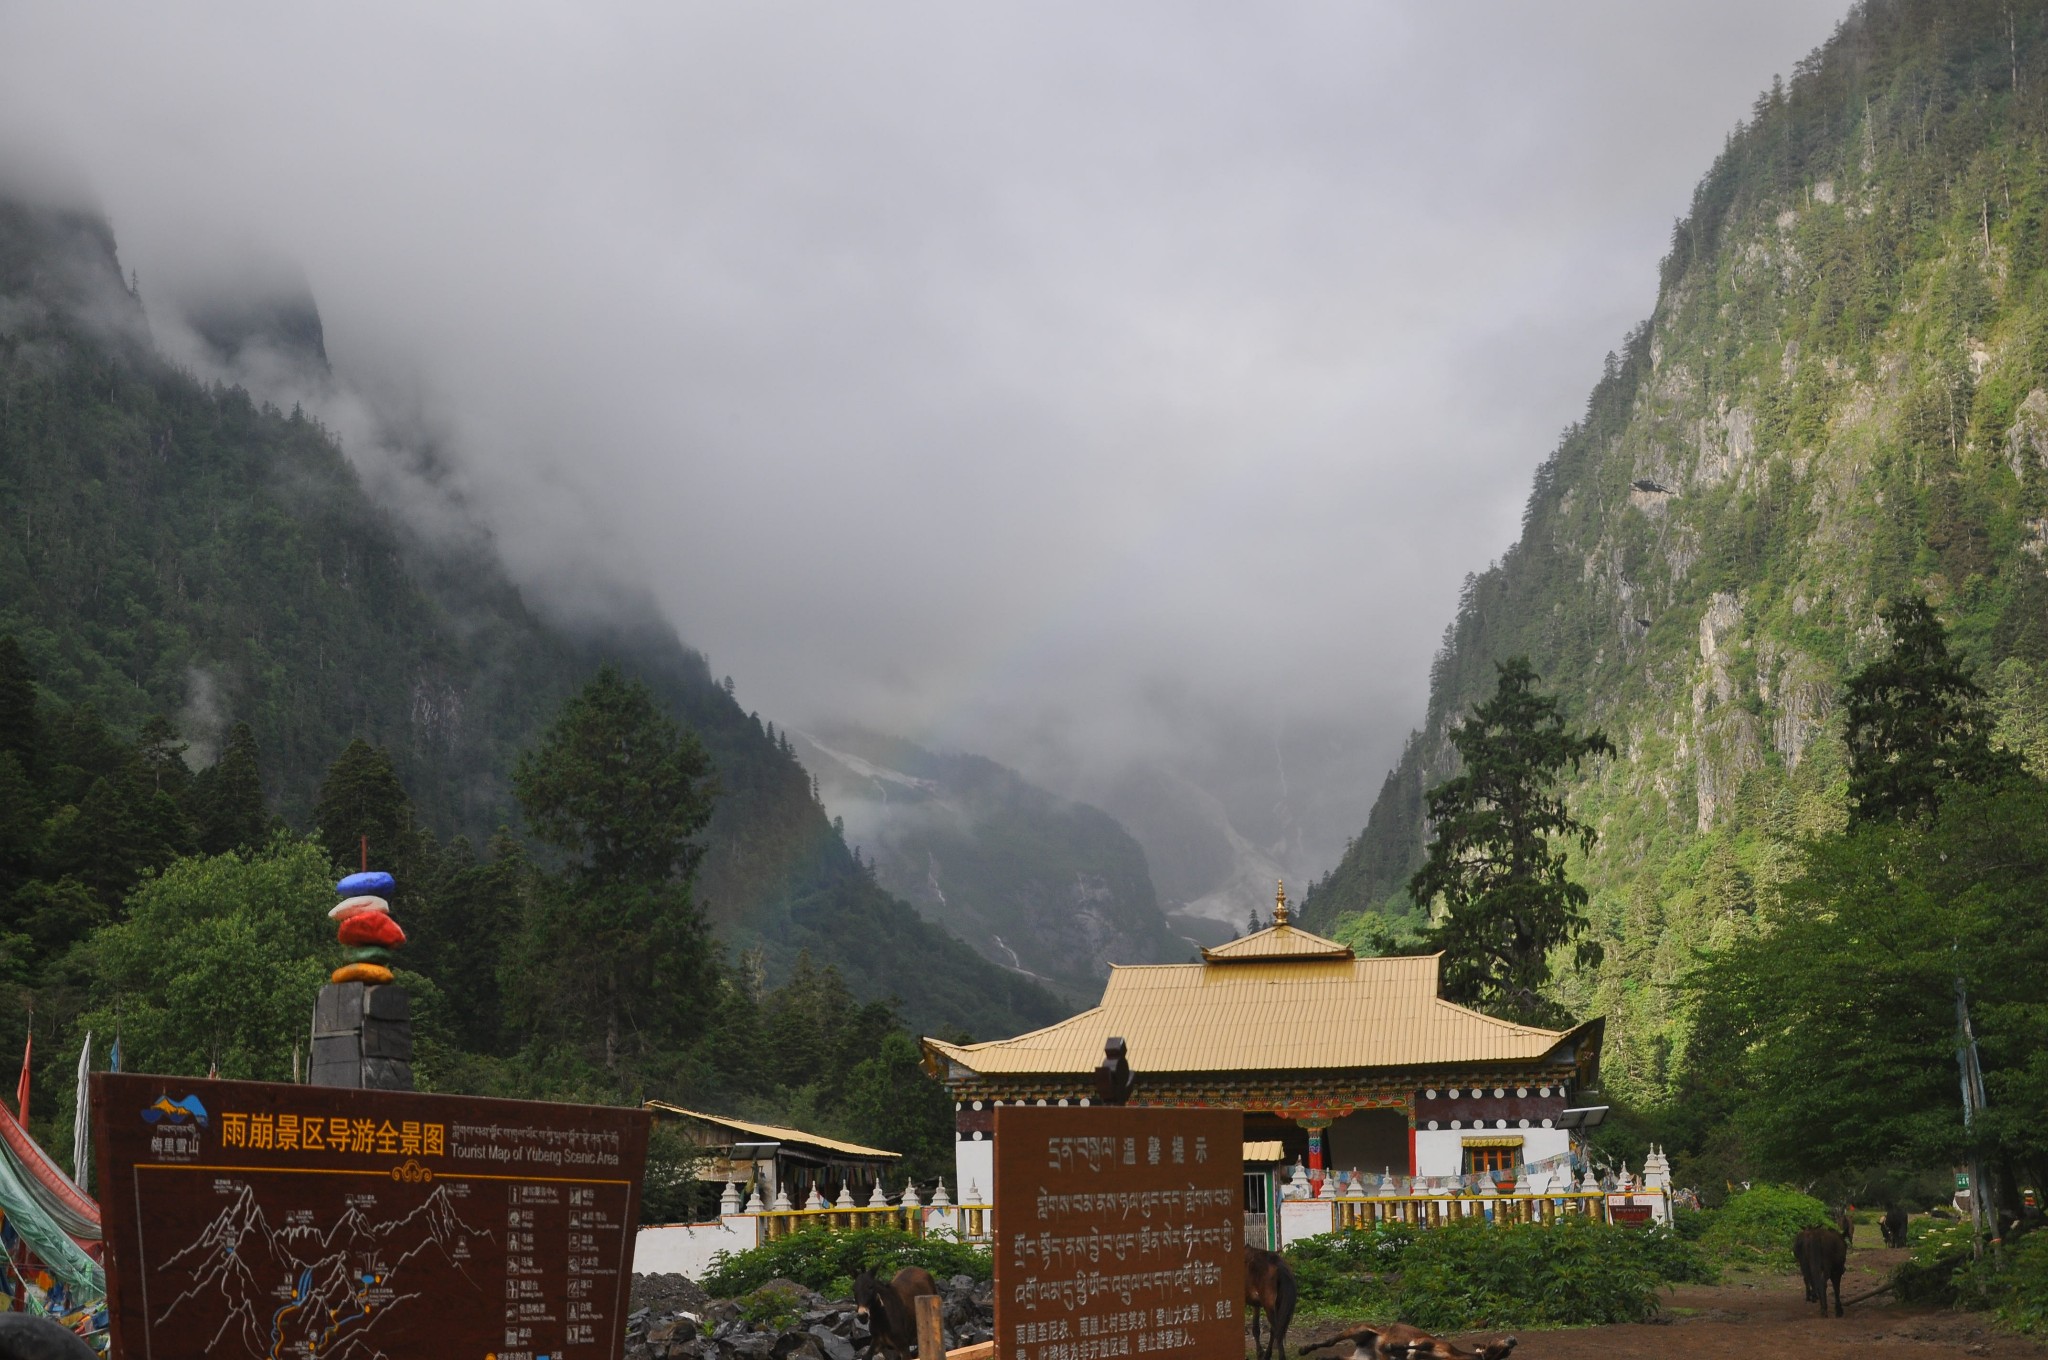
x: 1119, y: 1232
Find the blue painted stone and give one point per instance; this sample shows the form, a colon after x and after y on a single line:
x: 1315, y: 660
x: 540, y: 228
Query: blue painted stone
x: 375, y: 883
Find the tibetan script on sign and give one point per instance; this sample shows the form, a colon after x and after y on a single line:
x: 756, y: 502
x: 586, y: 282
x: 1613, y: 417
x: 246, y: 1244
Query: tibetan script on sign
x: 1119, y: 1232
x: 254, y: 1219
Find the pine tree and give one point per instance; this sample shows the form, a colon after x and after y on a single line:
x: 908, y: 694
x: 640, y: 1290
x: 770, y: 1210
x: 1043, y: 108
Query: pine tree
x: 360, y: 797
x: 1506, y: 902
x: 1918, y: 723
x: 621, y: 792
x: 232, y: 815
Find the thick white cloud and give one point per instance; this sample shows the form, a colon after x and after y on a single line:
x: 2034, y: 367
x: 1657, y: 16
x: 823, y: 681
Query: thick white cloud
x: 996, y: 374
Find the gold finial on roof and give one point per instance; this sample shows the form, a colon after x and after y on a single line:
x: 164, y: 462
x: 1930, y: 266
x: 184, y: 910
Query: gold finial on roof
x: 1280, y: 903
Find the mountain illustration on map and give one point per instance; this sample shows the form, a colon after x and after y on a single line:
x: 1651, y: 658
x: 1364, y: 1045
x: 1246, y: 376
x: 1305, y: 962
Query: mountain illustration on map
x: 307, y: 1289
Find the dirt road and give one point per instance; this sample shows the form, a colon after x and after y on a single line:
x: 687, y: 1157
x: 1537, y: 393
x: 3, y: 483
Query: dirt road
x: 1751, y: 1315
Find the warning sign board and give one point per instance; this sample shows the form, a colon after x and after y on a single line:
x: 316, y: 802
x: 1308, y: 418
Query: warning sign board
x: 1118, y: 1232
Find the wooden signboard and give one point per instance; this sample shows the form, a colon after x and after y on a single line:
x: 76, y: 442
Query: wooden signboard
x: 1119, y: 1231
x: 259, y: 1220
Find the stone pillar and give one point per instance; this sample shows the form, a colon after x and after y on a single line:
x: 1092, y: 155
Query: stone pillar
x: 362, y: 1037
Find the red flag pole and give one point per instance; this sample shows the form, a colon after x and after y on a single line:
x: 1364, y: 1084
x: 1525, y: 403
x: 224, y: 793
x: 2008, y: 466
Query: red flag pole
x: 28, y: 1047
x: 366, y: 855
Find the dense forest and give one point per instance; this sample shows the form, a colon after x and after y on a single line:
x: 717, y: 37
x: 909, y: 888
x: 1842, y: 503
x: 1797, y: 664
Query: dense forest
x: 208, y: 613
x: 1838, y: 403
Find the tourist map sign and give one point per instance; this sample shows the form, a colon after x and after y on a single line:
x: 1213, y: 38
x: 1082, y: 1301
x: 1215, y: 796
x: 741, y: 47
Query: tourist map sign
x: 279, y: 1222
x: 1118, y: 1232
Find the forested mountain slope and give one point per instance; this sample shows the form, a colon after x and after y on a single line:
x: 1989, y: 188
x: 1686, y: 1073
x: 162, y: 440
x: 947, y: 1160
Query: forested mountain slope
x: 175, y: 548
x: 1840, y: 397
x: 1052, y: 888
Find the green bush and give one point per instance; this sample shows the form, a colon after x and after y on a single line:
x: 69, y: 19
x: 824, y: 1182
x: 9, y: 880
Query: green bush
x: 777, y: 1305
x: 2011, y: 1281
x: 828, y: 1261
x: 1691, y: 1224
x: 1754, y: 1230
x: 1355, y: 1272
x: 1470, y: 1273
x: 2014, y: 1283
x: 1938, y: 1250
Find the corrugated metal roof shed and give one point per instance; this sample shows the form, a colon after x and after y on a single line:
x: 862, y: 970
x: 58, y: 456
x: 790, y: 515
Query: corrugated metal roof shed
x: 773, y: 1133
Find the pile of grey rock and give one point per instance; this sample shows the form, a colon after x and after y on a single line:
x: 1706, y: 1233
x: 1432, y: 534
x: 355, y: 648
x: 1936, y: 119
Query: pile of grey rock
x: 673, y: 1319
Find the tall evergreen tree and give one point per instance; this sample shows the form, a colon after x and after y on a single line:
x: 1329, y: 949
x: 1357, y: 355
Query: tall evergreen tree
x: 1918, y: 723
x: 620, y: 790
x: 1506, y: 901
x: 232, y: 815
x: 360, y: 797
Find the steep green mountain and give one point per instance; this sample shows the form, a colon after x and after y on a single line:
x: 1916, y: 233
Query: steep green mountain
x: 1049, y: 888
x: 1840, y: 397
x: 175, y: 548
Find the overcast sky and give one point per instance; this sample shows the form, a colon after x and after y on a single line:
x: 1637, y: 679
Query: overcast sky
x: 972, y: 370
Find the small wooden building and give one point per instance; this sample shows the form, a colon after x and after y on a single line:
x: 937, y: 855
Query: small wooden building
x: 1341, y: 1061
x: 777, y: 1158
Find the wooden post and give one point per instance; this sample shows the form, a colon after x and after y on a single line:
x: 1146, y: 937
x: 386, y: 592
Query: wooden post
x: 931, y: 1334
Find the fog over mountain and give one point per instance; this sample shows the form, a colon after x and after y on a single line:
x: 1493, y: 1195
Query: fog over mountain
x: 1119, y: 392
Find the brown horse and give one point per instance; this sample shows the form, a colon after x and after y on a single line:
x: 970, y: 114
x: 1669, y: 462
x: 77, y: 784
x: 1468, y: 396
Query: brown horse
x: 889, y: 1311
x: 1269, y: 1288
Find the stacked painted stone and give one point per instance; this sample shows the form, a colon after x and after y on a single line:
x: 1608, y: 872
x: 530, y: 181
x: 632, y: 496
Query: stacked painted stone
x: 370, y: 938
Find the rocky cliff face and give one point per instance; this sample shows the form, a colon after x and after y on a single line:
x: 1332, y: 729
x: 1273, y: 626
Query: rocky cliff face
x: 1840, y: 396
x: 1052, y: 889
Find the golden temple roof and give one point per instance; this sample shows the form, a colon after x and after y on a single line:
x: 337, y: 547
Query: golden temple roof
x: 1279, y: 1000
x: 1278, y: 942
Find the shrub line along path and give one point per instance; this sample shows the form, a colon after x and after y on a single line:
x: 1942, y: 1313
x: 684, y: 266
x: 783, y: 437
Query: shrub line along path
x: 1764, y: 1313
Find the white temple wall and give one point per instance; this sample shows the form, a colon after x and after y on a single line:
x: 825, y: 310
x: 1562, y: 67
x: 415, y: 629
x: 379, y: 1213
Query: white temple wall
x: 974, y: 1165
x: 1441, y: 1152
x: 688, y: 1248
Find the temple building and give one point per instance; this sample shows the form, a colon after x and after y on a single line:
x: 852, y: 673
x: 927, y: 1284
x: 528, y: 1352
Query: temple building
x: 1342, y: 1062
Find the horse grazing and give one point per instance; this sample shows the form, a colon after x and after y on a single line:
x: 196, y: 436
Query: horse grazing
x: 889, y: 1311
x: 1269, y: 1288
x: 1399, y: 1341
x: 1822, y: 1255
x: 1894, y: 1226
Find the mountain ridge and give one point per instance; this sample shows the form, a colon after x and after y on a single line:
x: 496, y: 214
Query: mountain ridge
x: 1049, y: 887
x: 1840, y: 397
x: 183, y: 548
